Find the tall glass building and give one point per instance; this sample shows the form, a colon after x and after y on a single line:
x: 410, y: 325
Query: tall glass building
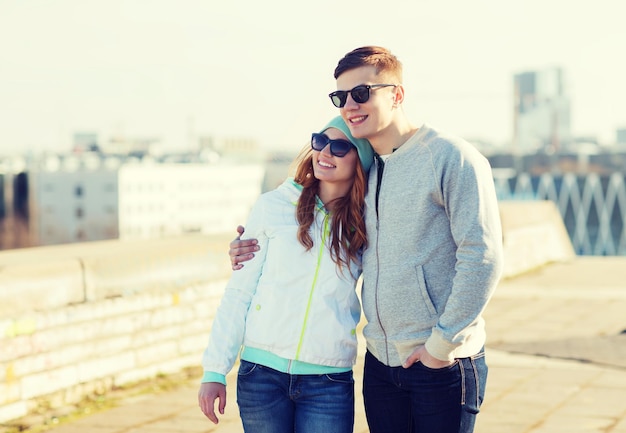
x: 541, y: 117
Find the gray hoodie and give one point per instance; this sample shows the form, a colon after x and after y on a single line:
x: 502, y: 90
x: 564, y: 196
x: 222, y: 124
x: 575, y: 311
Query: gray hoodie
x: 434, y: 252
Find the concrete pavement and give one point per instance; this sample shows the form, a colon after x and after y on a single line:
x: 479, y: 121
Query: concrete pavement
x: 556, y: 353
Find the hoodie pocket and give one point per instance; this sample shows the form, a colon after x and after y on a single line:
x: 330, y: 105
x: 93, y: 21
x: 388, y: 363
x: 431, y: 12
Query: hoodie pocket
x: 423, y: 291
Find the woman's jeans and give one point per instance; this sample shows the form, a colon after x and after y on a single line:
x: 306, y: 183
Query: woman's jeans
x: 421, y: 399
x: 274, y: 402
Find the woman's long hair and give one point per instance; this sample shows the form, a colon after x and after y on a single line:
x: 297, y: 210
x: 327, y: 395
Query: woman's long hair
x: 347, y: 228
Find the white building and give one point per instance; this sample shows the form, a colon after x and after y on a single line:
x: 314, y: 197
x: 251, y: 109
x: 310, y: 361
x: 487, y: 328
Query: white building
x: 140, y: 201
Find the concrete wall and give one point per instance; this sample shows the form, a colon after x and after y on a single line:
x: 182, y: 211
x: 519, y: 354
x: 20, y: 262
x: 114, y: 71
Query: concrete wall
x: 83, y: 318
x: 533, y: 235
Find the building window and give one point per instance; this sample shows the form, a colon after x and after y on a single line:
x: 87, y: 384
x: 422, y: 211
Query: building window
x: 78, y: 191
x: 79, y: 212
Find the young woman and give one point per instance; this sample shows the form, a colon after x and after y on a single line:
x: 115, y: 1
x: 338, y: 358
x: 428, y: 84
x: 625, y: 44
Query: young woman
x: 292, y: 312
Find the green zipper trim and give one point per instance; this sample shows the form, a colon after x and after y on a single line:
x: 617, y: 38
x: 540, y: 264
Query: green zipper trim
x: 325, y: 233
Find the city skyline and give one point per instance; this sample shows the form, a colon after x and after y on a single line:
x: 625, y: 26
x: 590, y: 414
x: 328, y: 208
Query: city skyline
x: 181, y: 70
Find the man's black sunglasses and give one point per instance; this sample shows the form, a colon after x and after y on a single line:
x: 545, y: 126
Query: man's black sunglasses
x: 338, y: 147
x: 360, y: 94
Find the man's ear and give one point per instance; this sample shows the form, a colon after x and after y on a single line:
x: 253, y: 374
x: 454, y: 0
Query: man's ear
x: 398, y: 95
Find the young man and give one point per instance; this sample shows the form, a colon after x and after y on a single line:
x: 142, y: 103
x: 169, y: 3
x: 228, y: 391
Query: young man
x: 433, y: 260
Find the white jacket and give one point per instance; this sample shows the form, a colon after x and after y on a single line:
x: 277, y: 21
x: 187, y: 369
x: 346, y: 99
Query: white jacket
x: 293, y: 303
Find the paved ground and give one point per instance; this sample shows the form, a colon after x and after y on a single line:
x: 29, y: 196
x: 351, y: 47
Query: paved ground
x: 556, y: 353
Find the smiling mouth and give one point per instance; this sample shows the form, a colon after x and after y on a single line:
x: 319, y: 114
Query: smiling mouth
x: 357, y: 119
x: 325, y: 164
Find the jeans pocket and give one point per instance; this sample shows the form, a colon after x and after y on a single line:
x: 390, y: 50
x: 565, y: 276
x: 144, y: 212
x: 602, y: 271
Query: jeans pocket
x: 246, y: 368
x: 447, y: 368
x: 345, y: 377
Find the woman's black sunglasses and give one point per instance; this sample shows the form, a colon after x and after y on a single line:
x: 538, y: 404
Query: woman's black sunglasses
x: 360, y: 94
x: 338, y: 147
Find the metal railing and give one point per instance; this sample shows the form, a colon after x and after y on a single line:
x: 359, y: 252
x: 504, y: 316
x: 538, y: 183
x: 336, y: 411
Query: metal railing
x: 593, y: 206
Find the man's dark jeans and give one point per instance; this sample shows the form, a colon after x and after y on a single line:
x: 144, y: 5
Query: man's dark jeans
x: 421, y: 399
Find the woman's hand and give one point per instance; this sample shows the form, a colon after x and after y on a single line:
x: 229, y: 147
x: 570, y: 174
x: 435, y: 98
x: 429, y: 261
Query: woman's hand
x: 208, y: 393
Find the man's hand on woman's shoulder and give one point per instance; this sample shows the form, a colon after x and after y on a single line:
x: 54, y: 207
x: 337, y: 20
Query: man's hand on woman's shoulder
x: 241, y: 250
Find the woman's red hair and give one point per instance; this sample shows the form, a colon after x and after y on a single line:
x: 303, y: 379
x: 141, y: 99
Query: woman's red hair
x: 347, y: 228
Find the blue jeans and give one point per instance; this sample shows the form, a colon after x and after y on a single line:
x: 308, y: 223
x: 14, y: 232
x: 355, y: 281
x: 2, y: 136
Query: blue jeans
x: 421, y: 399
x: 274, y: 402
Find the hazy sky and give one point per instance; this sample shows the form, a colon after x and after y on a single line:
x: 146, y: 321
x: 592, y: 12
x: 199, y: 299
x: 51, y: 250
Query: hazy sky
x: 176, y: 69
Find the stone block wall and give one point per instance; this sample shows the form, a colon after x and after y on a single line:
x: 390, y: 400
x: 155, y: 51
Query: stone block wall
x: 88, y: 317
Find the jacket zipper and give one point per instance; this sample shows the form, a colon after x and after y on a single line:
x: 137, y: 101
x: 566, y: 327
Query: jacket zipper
x: 380, y: 166
x: 325, y: 232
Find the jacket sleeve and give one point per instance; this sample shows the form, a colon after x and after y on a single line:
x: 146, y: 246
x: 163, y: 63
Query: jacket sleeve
x: 469, y: 197
x: 227, y: 331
